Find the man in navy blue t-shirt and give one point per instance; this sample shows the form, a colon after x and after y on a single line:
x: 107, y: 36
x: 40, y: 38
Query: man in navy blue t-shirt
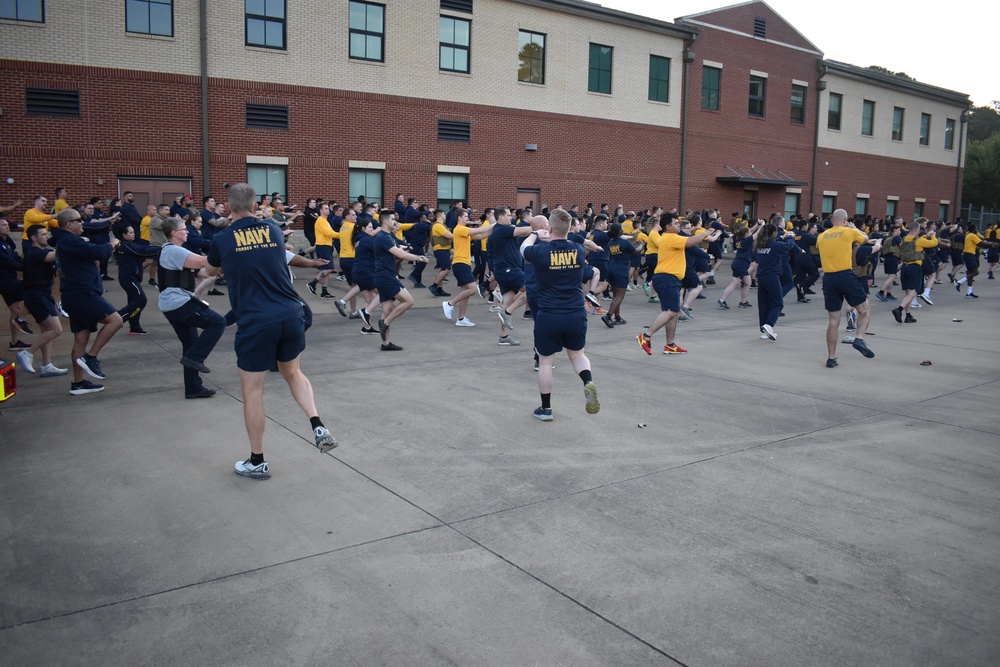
x: 561, y: 321
x: 395, y: 298
x: 508, y: 269
x: 269, y: 319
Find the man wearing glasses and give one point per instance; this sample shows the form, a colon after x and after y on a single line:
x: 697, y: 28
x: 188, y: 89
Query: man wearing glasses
x: 82, y: 290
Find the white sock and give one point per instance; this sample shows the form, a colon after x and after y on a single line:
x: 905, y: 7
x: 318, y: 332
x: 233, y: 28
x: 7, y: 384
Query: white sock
x: 927, y: 291
x: 970, y: 289
x: 712, y: 273
x: 960, y: 281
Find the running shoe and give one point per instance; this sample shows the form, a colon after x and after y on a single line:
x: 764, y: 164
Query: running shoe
x: 808, y: 291
x: 880, y: 295
x: 643, y: 341
x: 215, y: 292
x: 137, y: 332
x: 951, y: 278
x: 831, y: 363
x: 590, y: 393
x: 862, y: 347
x: 312, y: 287
x: 326, y: 295
x: 324, y: 439
x: 465, y: 322
x: 645, y: 288
x: 51, y: 371
x: 910, y: 319
x: 619, y: 321
x: 196, y: 365
x: 204, y: 392
x: 390, y: 347
x: 369, y: 331
x: 84, y: 387
x: 482, y: 289
x: 508, y: 340
x: 341, y: 307
x: 915, y: 304
x: 958, y: 287
x: 449, y: 310
x: 365, y: 317
x: 710, y: 281
x: 769, y: 330
x: 494, y: 309
x: 543, y: 414
x: 606, y: 318
x: 897, y: 313
x: 441, y: 292
x: 23, y: 326
x: 852, y: 320
x: 890, y: 297
x: 24, y: 359
x: 722, y: 304
x: 62, y: 311
x: 925, y: 299
x: 356, y: 315
x: 592, y: 299
x: 18, y: 345
x: 970, y: 295
x: 258, y: 472
x: 91, y: 365
x: 152, y: 283
x: 412, y: 280
x: 745, y: 304
x: 687, y: 311
x: 527, y: 315
x: 653, y: 299
x: 497, y: 296
x: 505, y: 318
x: 673, y: 349
x: 433, y: 289
x: 341, y: 277
x: 383, y: 329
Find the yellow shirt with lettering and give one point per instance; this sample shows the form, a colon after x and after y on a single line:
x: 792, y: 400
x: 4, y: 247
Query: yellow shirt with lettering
x: 836, y: 248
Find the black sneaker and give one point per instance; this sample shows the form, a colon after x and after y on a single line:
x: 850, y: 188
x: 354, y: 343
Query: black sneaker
x: 897, y: 312
x: 18, y: 345
x: 105, y: 276
x: 151, y: 282
x: 619, y: 321
x: 196, y: 365
x: 84, y: 387
x: 312, y: 287
x: 831, y: 363
x: 910, y: 319
x: 325, y: 295
x: 862, y: 347
x: 710, y: 281
x: 390, y: 347
x: 23, y: 326
x: 434, y: 289
x: 606, y: 318
x: 365, y: 317
x: 215, y: 292
x: 441, y: 292
x: 383, y: 329
x: 91, y: 365
x: 341, y: 306
x: 204, y: 392
x: 369, y: 331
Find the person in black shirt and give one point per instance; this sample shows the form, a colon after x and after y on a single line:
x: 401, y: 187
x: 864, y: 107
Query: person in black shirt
x: 39, y: 269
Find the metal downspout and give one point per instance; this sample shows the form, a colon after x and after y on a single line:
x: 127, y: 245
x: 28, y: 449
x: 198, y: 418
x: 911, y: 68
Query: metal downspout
x: 203, y: 34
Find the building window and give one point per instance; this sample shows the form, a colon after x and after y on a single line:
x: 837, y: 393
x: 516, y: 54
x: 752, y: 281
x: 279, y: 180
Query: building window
x: 23, y: 10
x: 600, y: 69
x: 898, y: 114
x: 943, y: 212
x: 454, y: 130
x: 711, y: 82
x: 867, y: 118
x: 367, y: 28
x: 52, y: 102
x: 366, y: 182
x: 890, y: 208
x: 659, y: 79
x: 925, y: 129
x: 268, y: 178
x: 267, y: 116
x: 829, y: 204
x: 530, y: 57
x: 791, y: 204
x: 150, y: 17
x: 833, y: 113
x: 861, y: 206
x: 949, y: 134
x: 265, y: 23
x: 452, y: 188
x: 454, y: 44
x: 798, y: 115
x: 918, y: 209
x: 757, y: 89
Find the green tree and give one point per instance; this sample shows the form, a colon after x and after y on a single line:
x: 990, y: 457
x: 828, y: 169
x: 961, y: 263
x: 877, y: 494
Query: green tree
x: 984, y: 122
x: 884, y: 70
x: 981, y: 186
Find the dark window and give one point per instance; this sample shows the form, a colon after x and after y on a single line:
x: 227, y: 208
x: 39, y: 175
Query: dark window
x: 867, y: 118
x: 365, y: 182
x: 758, y: 85
x: 265, y: 23
x: 711, y: 81
x: 918, y: 209
x: 452, y: 188
x: 52, y: 102
x: 600, y: 69
x: 949, y: 135
x: 530, y: 57
x: 942, y: 212
x: 760, y: 27
x: 268, y: 178
x: 267, y: 116
x: 798, y: 104
x: 925, y: 129
x: 897, y: 123
x: 659, y: 79
x: 833, y: 114
x: 23, y: 10
x: 454, y: 48
x: 367, y: 29
x: 890, y: 208
x: 454, y: 130
x: 829, y: 204
x: 149, y: 17
x: 457, y: 5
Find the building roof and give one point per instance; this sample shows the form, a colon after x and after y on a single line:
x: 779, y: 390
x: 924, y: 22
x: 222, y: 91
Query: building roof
x: 734, y: 19
x: 897, y: 83
x: 601, y: 13
x: 754, y: 176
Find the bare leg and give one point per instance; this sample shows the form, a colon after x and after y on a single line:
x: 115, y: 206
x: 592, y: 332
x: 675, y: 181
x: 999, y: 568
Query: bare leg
x: 252, y: 385
x: 112, y: 325
x: 300, y: 386
x: 832, y: 329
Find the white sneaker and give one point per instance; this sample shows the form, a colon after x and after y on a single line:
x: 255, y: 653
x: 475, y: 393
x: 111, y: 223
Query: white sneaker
x: 769, y: 331
x: 494, y: 309
x: 247, y: 469
x: 926, y: 299
x: 465, y: 322
x: 448, y: 309
x: 24, y: 360
x: 50, y: 370
x: 915, y: 304
x: 497, y: 297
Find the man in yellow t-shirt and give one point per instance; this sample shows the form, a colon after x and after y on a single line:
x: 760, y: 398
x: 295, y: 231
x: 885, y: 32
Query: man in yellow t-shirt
x: 670, y: 268
x: 461, y: 266
x: 35, y: 215
x: 840, y: 283
x: 911, y: 275
x: 61, y: 202
x: 441, y: 240
x: 970, y: 255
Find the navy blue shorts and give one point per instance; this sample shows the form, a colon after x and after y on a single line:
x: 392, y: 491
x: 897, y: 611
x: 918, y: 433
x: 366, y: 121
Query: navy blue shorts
x: 388, y: 289
x: 365, y: 281
x: 11, y: 291
x: 691, y: 280
x: 257, y: 350
x: 41, y: 305
x: 993, y: 255
x: 325, y: 252
x: 509, y: 280
x: 841, y: 286
x: 702, y: 265
x: 891, y: 264
x: 463, y: 273
x: 600, y: 266
x: 971, y: 261
x: 668, y: 289
x: 555, y: 331
x: 347, y: 266
x: 911, y: 278
x: 85, y: 310
x: 957, y: 258
x: 635, y: 259
x: 617, y: 276
x: 740, y: 268
x: 442, y: 260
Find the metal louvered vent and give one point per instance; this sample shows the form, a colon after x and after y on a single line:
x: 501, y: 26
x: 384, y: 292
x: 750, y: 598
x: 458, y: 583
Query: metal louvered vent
x: 454, y: 130
x: 760, y: 27
x: 457, y: 5
x: 52, y: 102
x: 267, y: 116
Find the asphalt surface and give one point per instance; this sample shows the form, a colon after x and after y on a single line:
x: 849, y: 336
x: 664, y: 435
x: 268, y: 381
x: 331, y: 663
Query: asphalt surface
x: 737, y: 505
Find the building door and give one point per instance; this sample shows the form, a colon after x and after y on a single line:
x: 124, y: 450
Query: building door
x: 528, y: 199
x: 154, y: 191
x: 750, y: 204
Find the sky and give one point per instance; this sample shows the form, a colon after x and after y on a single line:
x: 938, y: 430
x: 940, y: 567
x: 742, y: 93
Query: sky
x: 941, y: 44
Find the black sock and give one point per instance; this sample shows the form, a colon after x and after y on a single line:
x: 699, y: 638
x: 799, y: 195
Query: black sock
x: 315, y: 422
x: 586, y: 376
x: 256, y: 459
x: 547, y: 401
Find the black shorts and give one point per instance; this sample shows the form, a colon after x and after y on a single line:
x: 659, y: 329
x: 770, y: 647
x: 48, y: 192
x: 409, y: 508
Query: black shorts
x: 85, y: 310
x: 841, y: 286
x: 668, y: 289
x: 690, y: 280
x: 509, y: 280
x: 555, y: 331
x: 325, y: 252
x: 365, y: 281
x: 740, y: 268
x: 388, y: 289
x: 40, y: 304
x: 971, y: 261
x: 442, y: 260
x: 347, y: 266
x: 891, y: 264
x: 257, y: 350
x: 11, y: 291
x: 617, y: 276
x: 463, y: 273
x: 911, y: 278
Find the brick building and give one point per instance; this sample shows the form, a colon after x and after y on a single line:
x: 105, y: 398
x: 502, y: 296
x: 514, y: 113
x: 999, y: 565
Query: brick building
x: 490, y: 101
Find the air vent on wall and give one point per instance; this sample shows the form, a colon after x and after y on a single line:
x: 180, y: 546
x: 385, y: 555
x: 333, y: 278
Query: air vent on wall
x: 267, y: 116
x: 457, y: 5
x: 454, y: 130
x: 760, y: 27
x: 52, y: 102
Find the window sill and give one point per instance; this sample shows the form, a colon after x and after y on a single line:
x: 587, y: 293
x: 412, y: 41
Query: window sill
x: 26, y: 24
x: 533, y: 84
x: 362, y: 61
x: 715, y: 111
x: 265, y: 49
x: 450, y: 72
x: 142, y: 35
x: 599, y: 94
x: 659, y: 103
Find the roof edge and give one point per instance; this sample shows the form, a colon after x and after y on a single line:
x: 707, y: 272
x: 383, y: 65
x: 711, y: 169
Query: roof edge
x: 596, y: 11
x: 897, y: 82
